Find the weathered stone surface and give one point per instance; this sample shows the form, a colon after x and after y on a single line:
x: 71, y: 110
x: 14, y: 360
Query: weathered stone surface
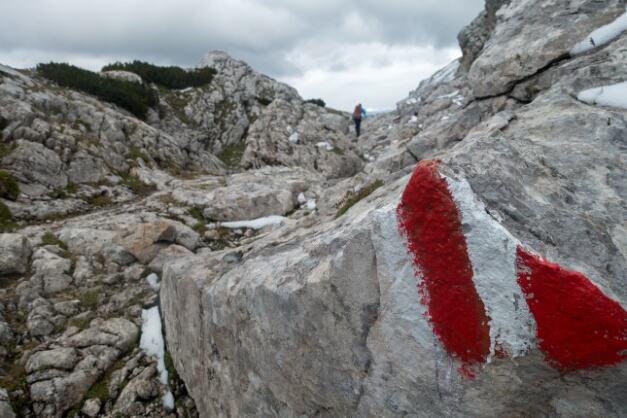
x: 6, y: 334
x: 252, y: 195
x: 91, y: 407
x: 530, y: 35
x: 144, y: 241
x: 60, y: 358
x: 295, y: 135
x: 166, y: 255
x: 5, y: 405
x: 141, y: 387
x: 89, y: 241
x: 37, y: 163
x: 15, y: 251
x: 60, y: 394
x: 116, y: 332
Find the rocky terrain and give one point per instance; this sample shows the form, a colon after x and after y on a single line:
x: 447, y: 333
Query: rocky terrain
x: 465, y: 256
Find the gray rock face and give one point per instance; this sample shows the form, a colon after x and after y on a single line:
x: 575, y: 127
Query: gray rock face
x: 116, y: 332
x: 61, y: 358
x: 37, y: 163
x: 531, y: 35
x: 255, y: 194
x: 5, y: 406
x: 15, y: 251
x: 269, y: 333
x: 472, y: 38
x: 293, y: 135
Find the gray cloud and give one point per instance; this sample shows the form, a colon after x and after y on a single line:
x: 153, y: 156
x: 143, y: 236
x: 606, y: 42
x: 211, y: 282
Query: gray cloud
x: 265, y: 33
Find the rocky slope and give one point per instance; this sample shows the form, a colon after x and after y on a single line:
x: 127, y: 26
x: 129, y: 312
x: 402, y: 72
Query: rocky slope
x: 466, y: 256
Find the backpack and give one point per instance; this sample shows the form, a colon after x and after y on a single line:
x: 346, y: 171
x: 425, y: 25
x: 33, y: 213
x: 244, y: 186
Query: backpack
x: 357, y: 112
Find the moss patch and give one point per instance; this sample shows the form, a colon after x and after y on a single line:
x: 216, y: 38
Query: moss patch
x: 338, y: 151
x: 49, y: 238
x: 169, y: 366
x: 200, y: 227
x: 5, y: 213
x: 137, y: 186
x: 362, y: 194
x: 232, y: 156
x: 135, y: 153
x: 8, y: 186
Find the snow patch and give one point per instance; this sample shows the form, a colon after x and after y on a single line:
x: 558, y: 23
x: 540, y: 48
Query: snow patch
x: 293, y: 137
x: 446, y: 96
x: 301, y: 198
x: 152, y: 340
x: 311, y: 204
x: 614, y: 95
x: 255, y: 223
x: 413, y: 119
x: 153, y: 281
x: 168, y: 400
x: 601, y: 36
x: 325, y: 144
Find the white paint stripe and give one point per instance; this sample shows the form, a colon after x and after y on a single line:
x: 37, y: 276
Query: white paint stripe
x: 397, y: 276
x: 492, y: 252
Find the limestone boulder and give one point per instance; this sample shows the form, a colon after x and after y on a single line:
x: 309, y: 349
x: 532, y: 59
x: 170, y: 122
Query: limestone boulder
x: 119, y: 333
x: 5, y: 405
x: 61, y: 358
x: 253, y: 194
x: 531, y: 35
x: 37, y: 164
x: 146, y: 240
x: 15, y: 252
x: 91, y: 241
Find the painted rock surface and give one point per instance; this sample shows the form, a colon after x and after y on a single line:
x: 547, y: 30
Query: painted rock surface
x: 487, y: 310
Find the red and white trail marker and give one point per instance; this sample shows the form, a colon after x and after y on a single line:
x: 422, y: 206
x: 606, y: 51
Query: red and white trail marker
x: 489, y: 296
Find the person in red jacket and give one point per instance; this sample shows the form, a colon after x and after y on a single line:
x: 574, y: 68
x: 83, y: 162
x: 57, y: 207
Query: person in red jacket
x: 357, y: 117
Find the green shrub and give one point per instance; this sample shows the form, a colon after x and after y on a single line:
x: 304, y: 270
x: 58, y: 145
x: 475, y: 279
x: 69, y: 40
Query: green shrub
x: 49, y: 238
x: 170, y: 77
x: 232, y: 156
x: 136, y: 153
x: 169, y: 366
x: 338, y: 151
x: 71, y: 187
x: 318, y: 102
x: 5, y: 213
x: 134, y: 97
x: 200, y: 227
x: 362, y: 194
x: 263, y: 101
x: 196, y: 213
x: 137, y: 186
x: 8, y: 186
x: 101, y: 200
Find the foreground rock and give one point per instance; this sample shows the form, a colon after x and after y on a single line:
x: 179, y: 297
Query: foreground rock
x: 327, y: 321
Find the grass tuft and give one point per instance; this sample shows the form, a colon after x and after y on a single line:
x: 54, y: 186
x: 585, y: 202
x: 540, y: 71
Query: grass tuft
x: 8, y: 186
x: 49, y: 238
x: 359, y: 196
x: 232, y: 156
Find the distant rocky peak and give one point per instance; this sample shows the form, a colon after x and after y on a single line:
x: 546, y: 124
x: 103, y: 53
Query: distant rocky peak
x: 219, y: 60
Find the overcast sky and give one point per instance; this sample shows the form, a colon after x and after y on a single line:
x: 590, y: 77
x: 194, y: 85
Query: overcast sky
x: 342, y: 51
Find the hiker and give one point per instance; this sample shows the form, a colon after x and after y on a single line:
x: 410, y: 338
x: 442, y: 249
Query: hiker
x: 357, y: 117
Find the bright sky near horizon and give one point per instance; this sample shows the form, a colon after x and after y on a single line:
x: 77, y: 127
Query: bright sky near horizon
x: 342, y: 51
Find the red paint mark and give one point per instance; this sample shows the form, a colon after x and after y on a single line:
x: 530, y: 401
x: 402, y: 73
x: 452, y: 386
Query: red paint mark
x: 579, y: 327
x: 428, y: 218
